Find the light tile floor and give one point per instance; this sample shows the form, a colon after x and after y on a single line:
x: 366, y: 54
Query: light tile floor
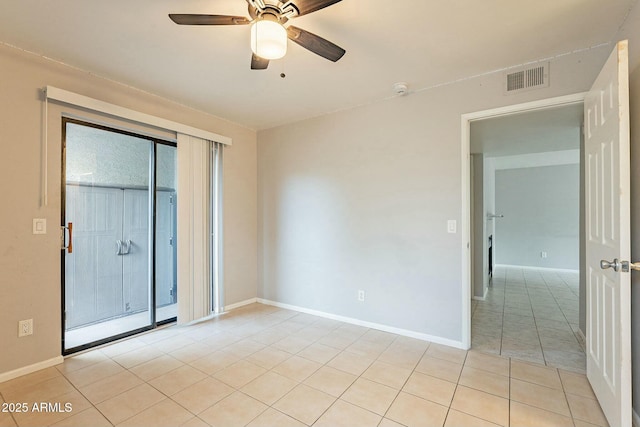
x: 265, y: 366
x: 530, y: 314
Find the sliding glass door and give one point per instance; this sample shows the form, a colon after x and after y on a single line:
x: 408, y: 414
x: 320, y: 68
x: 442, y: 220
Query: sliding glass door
x: 119, y: 211
x: 166, y: 234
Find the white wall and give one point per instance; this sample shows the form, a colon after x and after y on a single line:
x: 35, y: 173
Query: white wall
x: 541, y: 208
x: 360, y: 199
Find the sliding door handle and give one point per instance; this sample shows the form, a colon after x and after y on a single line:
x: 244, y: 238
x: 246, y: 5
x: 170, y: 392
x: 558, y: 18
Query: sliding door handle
x: 68, y: 247
x: 127, y: 249
x: 118, y: 247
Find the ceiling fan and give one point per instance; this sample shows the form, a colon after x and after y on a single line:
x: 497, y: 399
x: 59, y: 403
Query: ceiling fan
x: 268, y: 34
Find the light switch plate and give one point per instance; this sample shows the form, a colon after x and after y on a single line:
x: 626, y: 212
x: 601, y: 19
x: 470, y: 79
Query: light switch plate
x: 451, y: 226
x: 39, y: 226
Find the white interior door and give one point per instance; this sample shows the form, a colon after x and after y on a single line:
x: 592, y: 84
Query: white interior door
x: 608, y: 238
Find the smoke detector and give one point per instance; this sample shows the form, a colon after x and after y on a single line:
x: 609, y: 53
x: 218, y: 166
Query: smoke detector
x: 400, y: 88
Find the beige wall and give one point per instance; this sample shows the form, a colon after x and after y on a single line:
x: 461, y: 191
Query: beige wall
x: 360, y: 199
x: 30, y: 264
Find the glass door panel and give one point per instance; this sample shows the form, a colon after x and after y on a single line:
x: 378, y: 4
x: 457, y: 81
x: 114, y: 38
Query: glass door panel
x: 107, y: 197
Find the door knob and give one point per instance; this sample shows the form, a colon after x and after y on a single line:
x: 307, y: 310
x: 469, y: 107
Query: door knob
x: 615, y: 264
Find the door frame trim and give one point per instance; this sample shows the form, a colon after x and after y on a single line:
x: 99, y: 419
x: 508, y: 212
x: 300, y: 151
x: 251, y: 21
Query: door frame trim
x: 465, y: 157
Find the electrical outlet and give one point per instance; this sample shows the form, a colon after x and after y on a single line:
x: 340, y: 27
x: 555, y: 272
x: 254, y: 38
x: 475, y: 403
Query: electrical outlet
x: 543, y: 254
x: 25, y: 327
x: 360, y: 295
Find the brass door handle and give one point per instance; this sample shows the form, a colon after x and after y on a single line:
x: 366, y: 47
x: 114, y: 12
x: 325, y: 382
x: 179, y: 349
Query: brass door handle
x: 69, y: 247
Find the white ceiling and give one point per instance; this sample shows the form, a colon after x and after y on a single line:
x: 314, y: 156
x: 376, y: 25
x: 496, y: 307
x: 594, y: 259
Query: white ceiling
x: 423, y: 43
x: 551, y: 129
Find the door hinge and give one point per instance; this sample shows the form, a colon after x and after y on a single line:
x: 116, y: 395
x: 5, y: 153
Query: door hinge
x: 170, y: 241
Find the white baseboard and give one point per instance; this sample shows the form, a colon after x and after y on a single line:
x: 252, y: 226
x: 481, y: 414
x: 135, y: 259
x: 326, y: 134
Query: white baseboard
x: 635, y: 419
x: 240, y: 304
x: 483, y: 297
x: 358, y: 322
x: 224, y: 310
x: 529, y: 267
x: 31, y: 368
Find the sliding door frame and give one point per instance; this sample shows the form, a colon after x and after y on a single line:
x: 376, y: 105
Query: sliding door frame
x: 155, y: 214
x: 152, y: 246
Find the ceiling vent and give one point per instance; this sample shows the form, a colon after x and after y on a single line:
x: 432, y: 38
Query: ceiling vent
x: 526, y: 78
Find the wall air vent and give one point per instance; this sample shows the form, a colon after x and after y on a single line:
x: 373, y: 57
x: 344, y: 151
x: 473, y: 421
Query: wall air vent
x: 526, y: 78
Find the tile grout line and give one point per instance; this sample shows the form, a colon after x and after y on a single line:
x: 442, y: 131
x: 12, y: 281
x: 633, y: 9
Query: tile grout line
x: 10, y: 413
x: 535, y: 320
x: 563, y: 313
x: 566, y: 398
x: 325, y: 364
x: 358, y: 377
x: 455, y: 390
x: 82, y: 394
x: 405, y: 383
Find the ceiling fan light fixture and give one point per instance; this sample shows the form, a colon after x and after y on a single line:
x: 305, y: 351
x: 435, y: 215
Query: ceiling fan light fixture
x: 268, y: 39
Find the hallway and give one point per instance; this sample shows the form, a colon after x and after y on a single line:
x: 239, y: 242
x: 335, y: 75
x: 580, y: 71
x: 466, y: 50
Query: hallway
x: 530, y: 314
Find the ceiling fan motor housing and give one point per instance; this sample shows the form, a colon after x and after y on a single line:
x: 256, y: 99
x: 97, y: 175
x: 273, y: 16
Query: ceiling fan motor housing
x: 282, y: 11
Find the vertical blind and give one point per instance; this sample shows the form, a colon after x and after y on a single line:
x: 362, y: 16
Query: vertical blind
x: 194, y: 228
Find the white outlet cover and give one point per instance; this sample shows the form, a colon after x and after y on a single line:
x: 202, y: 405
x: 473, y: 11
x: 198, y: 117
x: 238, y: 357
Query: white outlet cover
x: 25, y: 328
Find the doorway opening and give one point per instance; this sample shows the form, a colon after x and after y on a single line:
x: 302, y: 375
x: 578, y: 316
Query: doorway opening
x: 119, y: 269
x: 525, y: 252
